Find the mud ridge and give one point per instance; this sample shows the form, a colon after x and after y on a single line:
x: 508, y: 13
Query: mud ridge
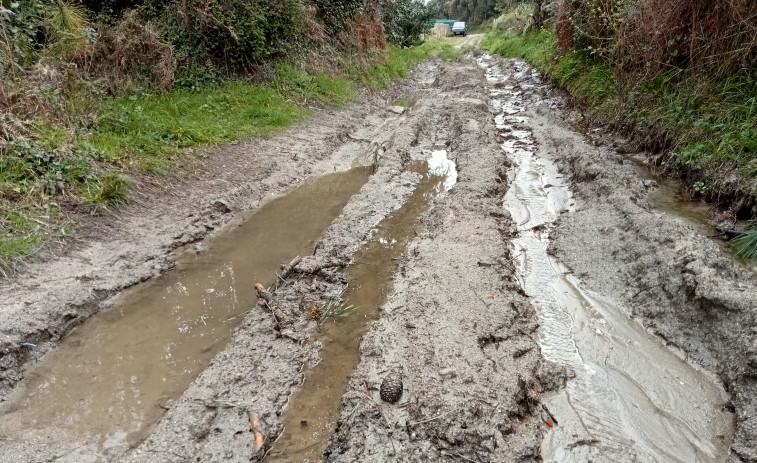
x: 456, y: 327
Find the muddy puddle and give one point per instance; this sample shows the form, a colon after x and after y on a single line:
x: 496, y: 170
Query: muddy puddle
x: 313, y: 410
x: 632, y: 399
x: 669, y: 197
x: 108, y: 381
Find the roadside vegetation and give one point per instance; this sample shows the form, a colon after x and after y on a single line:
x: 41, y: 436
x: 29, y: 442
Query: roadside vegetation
x: 96, y: 96
x: 679, y: 79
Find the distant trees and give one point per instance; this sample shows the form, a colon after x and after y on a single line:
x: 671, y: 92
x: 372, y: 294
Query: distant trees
x: 474, y: 11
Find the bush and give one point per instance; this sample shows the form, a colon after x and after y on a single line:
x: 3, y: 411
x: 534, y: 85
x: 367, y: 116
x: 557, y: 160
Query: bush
x: 131, y: 55
x: 405, y: 21
x: 649, y: 36
x: 336, y: 15
x: 233, y: 35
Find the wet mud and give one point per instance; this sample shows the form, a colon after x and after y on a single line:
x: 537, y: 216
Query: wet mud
x: 108, y: 381
x: 531, y: 289
x: 455, y: 327
x: 632, y: 398
x: 630, y: 242
x: 313, y: 410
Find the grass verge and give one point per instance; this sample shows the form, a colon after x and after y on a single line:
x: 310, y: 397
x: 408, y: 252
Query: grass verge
x: 52, y: 170
x: 706, y: 129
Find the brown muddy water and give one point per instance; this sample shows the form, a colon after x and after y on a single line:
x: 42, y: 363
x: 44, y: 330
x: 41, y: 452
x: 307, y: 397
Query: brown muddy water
x: 108, y: 380
x: 632, y: 399
x: 313, y: 410
x: 669, y: 197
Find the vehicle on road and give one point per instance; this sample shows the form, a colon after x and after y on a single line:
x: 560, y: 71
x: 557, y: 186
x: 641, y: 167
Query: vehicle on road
x: 459, y: 29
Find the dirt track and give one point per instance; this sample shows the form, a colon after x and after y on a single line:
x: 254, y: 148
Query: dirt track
x: 456, y: 324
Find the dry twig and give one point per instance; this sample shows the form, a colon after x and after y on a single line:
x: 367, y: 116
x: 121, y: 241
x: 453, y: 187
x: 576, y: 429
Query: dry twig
x: 256, y: 428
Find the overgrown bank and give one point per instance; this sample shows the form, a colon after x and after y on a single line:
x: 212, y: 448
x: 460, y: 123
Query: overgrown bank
x: 678, y: 78
x: 97, y: 97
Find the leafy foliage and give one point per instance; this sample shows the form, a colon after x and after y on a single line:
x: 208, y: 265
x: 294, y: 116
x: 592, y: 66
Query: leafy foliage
x: 405, y: 21
x: 473, y: 11
x: 28, y: 167
x: 337, y: 14
x: 233, y: 35
x: 745, y: 244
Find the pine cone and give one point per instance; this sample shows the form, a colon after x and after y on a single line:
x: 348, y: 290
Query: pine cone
x: 391, y: 388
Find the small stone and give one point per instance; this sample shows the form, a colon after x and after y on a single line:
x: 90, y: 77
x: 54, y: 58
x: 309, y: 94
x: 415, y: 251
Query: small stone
x: 391, y: 388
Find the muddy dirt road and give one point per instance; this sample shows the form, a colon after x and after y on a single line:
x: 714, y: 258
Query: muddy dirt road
x: 507, y: 275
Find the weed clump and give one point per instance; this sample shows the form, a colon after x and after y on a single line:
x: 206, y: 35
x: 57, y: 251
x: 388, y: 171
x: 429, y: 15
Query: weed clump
x: 336, y: 308
x: 110, y: 189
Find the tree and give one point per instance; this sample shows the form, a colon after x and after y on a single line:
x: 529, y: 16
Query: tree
x: 406, y: 20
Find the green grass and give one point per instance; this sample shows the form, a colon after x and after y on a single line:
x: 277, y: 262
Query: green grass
x: 586, y: 79
x: 708, y: 128
x: 19, y: 240
x: 59, y: 167
x: 482, y: 28
x: 537, y: 47
x: 336, y: 308
x: 109, y: 189
x: 396, y: 62
x: 146, y: 132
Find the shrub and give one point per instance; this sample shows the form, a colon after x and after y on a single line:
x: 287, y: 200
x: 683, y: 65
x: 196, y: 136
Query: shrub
x: 233, y: 35
x: 405, y: 21
x: 130, y: 55
x: 337, y: 14
x: 648, y: 36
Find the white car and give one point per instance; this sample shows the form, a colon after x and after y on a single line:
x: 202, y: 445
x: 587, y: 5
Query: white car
x: 459, y: 28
